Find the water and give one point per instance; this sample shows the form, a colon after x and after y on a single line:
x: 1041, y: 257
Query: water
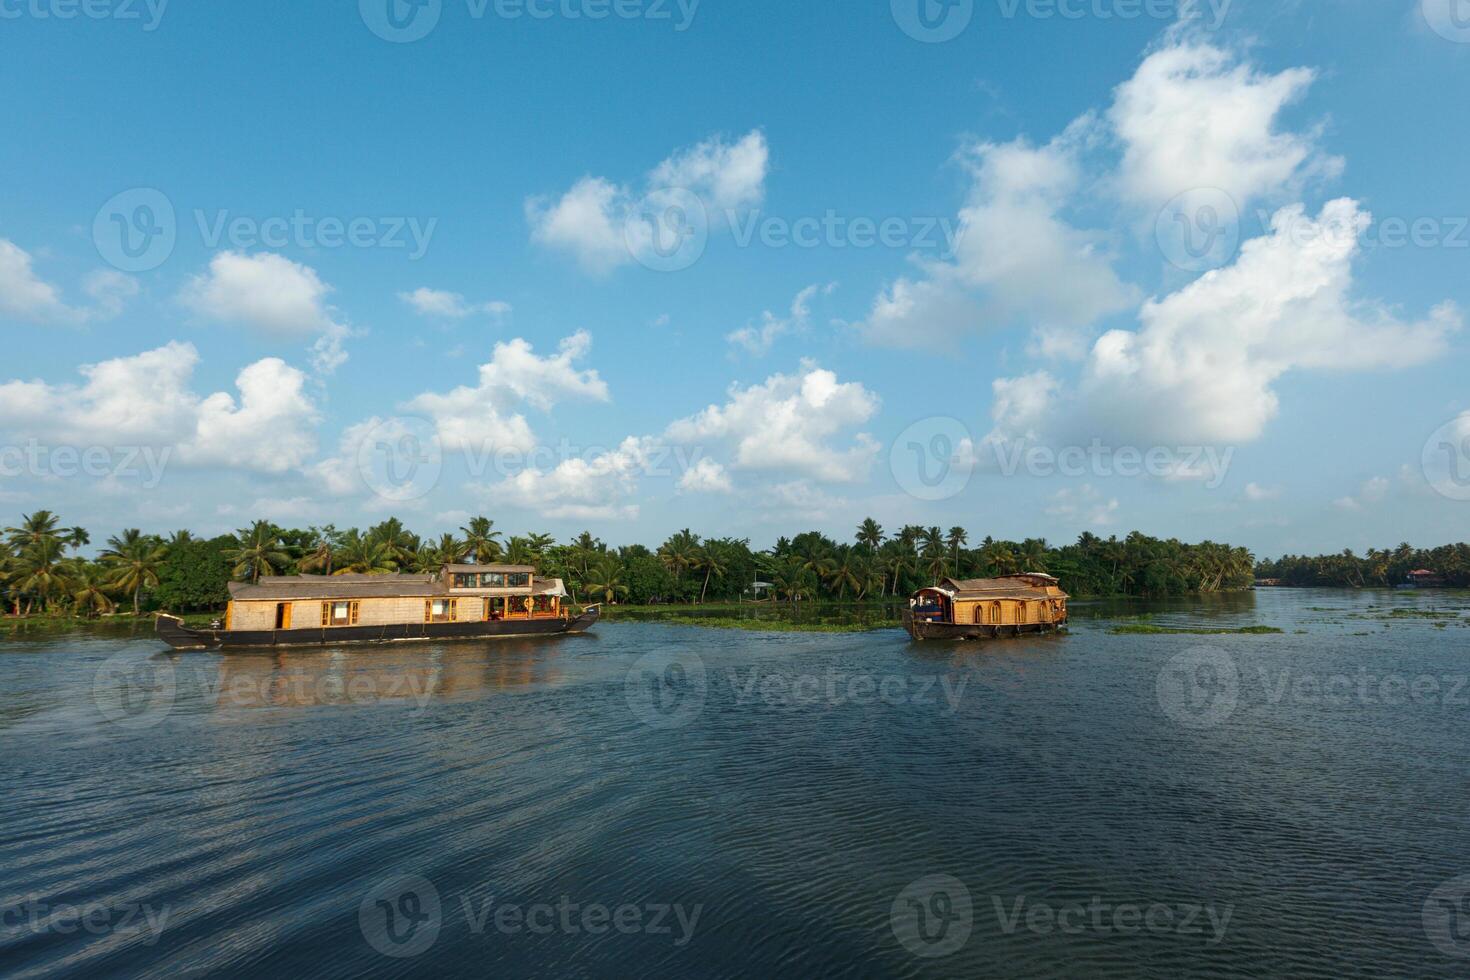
x: 1088, y: 804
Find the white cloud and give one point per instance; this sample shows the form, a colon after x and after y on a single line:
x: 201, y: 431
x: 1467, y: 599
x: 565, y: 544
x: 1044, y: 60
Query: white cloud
x: 451, y: 306
x: 1083, y: 505
x: 270, y: 293
x: 1202, y: 365
x: 110, y: 290
x: 145, y: 400
x: 758, y: 340
x: 1012, y: 251
x: 705, y: 476
x: 799, y: 500
x: 478, y: 420
x: 1256, y: 493
x: 725, y: 176
x: 590, y: 220
x: 580, y: 489
x: 485, y: 415
x: 787, y: 425
x: 25, y: 296
x: 1195, y: 116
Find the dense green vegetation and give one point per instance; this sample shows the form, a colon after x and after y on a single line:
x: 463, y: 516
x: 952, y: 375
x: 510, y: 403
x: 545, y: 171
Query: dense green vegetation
x: 41, y: 570
x: 1376, y: 568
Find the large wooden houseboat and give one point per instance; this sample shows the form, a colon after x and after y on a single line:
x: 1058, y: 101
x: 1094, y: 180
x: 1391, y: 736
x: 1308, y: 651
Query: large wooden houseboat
x: 459, y: 602
x: 982, y: 608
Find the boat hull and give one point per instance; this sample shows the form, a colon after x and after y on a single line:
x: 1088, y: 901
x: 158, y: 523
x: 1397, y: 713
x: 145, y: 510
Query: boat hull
x: 923, y: 629
x: 172, y: 631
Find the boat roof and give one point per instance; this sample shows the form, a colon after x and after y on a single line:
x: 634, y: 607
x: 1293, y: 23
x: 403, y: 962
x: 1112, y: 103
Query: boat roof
x: 473, y: 569
x: 355, y: 586
x: 1028, y: 585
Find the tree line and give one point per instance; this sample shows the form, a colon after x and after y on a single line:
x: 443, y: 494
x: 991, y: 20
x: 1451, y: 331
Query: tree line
x: 1378, y: 568
x: 42, y: 570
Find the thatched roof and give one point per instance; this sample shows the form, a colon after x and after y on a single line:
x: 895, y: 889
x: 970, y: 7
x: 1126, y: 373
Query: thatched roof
x: 1032, y: 585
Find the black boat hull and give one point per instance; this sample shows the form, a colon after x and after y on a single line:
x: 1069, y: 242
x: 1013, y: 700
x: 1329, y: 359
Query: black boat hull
x: 923, y: 629
x: 172, y: 631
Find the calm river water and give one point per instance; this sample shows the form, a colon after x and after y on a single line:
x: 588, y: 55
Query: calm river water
x: 662, y: 800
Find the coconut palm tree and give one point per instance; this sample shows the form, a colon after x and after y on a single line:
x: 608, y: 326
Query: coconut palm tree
x: 448, y: 551
x: 33, y: 529
x: 678, y: 553
x: 321, y: 554
x: 364, y: 555
x: 257, y: 552
x: 482, y: 540
x: 89, y: 590
x: 712, y: 562
x: 956, y: 539
x: 846, y: 572
x: 605, y: 578
x: 133, y: 560
x: 41, y: 572
x: 870, y: 534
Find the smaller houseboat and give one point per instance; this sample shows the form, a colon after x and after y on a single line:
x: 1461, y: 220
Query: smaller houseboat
x: 459, y: 602
x: 982, y: 608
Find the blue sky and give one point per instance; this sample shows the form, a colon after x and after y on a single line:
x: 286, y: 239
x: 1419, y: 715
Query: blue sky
x: 531, y: 357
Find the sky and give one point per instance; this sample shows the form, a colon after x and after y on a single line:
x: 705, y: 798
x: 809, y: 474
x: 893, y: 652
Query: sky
x: 1032, y: 267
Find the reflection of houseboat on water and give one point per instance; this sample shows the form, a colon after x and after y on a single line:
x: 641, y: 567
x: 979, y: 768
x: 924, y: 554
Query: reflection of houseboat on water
x: 460, y: 602
x: 966, y: 609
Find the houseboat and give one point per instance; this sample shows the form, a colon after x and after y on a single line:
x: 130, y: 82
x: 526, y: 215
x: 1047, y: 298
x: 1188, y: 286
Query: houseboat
x: 459, y: 602
x: 983, y: 608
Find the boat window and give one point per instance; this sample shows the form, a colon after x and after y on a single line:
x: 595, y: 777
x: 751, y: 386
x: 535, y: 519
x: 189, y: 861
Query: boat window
x: 466, y: 581
x: 339, y: 613
x: 492, y: 580
x: 439, y: 610
x: 518, y: 580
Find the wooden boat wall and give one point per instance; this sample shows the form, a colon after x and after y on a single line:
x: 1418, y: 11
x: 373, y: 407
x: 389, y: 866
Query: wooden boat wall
x: 974, y: 609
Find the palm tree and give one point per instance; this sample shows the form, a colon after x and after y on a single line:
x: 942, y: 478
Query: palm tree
x: 870, y: 533
x: 402, y: 545
x: 40, y: 571
x: 846, y: 571
x: 449, y: 551
x: 33, y: 529
x: 522, y: 551
x: 480, y: 538
x: 320, y: 554
x: 789, y: 578
x: 89, y: 590
x: 678, y: 553
x: 133, y: 560
x: 956, y: 539
x: 76, y: 537
x: 362, y: 555
x: 257, y: 552
x: 709, y: 560
x: 605, y: 578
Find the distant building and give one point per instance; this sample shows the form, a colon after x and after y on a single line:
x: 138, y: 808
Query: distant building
x: 1424, y: 578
